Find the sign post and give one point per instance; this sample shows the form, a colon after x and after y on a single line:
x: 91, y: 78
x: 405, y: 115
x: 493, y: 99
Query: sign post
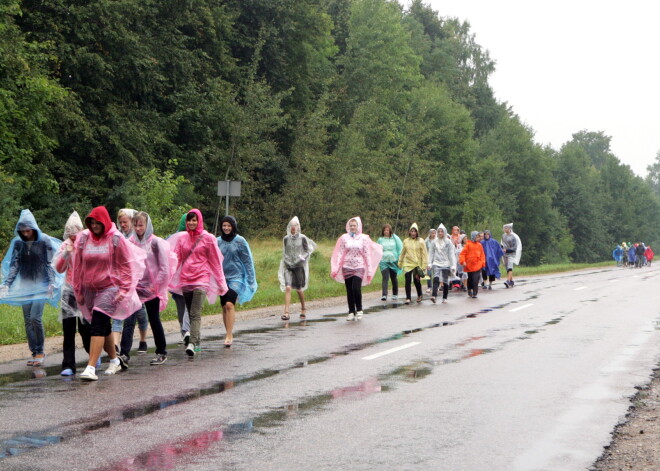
x: 229, y: 188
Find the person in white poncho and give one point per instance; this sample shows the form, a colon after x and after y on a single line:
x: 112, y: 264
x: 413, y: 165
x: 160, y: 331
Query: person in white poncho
x: 294, y: 267
x: 512, y: 248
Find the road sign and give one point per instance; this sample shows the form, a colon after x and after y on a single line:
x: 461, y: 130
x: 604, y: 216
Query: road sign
x: 229, y: 188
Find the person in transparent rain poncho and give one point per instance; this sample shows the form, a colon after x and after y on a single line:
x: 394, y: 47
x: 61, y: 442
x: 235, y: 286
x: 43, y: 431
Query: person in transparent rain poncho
x: 389, y: 268
x: 294, y: 266
x: 123, y: 330
x: 71, y: 317
x: 354, y: 262
x: 429, y: 240
x: 413, y: 260
x: 152, y: 288
x: 199, y: 272
x: 181, y: 309
x: 238, y: 267
x: 442, y: 263
x: 106, y: 270
x: 29, y: 280
x: 512, y: 248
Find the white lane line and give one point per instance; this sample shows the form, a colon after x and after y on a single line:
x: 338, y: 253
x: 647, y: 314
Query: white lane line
x: 580, y: 288
x: 613, y: 281
x: 391, y: 350
x: 521, y: 308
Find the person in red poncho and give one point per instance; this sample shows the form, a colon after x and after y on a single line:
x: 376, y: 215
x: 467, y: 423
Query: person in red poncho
x: 106, y: 270
x: 648, y: 253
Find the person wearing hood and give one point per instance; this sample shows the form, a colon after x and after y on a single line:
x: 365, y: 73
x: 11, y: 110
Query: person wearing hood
x: 389, y: 268
x: 512, y: 248
x: 413, y: 260
x: 460, y: 274
x: 106, y: 270
x: 648, y: 253
x: 473, y: 260
x: 123, y: 330
x: 640, y: 248
x: 632, y: 256
x: 181, y: 310
x: 239, y: 272
x: 71, y: 317
x: 441, y: 263
x: 617, y: 255
x: 354, y: 262
x: 199, y: 272
x: 294, y: 266
x: 493, y: 252
x: 429, y: 273
x: 29, y: 280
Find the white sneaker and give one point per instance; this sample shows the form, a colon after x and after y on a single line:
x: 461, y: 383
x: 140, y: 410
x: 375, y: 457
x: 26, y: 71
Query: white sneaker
x: 395, y: 297
x: 113, y: 368
x: 89, y: 375
x: 383, y: 298
x: 359, y: 315
x: 190, y: 349
x: 350, y: 316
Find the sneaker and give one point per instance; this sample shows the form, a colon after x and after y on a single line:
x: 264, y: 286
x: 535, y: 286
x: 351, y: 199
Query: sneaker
x: 359, y: 315
x: 159, y: 360
x: 67, y: 372
x: 190, y: 350
x: 469, y: 293
x: 474, y: 296
x: 142, y: 349
x: 433, y: 299
x: 113, y: 368
x: 186, y: 338
x: 490, y: 287
x: 512, y: 283
x: 198, y: 349
x: 89, y: 375
x: 407, y: 301
x: 383, y: 298
x: 444, y: 301
x: 350, y: 316
x: 123, y: 362
x: 428, y: 290
x: 394, y: 297
x: 506, y: 283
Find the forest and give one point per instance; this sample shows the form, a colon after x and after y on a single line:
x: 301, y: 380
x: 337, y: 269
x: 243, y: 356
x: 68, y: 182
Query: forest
x: 324, y: 109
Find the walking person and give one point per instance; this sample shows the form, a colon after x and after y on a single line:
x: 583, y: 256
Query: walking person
x: 429, y: 240
x: 441, y: 263
x: 294, y: 266
x: 617, y: 255
x: 181, y: 310
x: 30, y: 281
x: 648, y: 253
x: 199, y: 273
x: 354, y: 261
x: 238, y: 267
x: 473, y: 260
x: 70, y: 316
x: 493, y: 253
x: 413, y: 260
x: 389, y: 268
x: 632, y: 256
x: 639, y: 254
x: 152, y: 287
x: 512, y: 248
x: 106, y: 271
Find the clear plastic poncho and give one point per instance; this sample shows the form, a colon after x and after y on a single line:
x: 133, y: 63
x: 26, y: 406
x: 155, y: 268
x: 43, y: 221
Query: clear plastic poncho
x: 505, y: 243
x: 160, y: 265
x: 296, y: 250
x: 392, y: 247
x: 238, y: 264
x: 27, y: 273
x: 355, y: 254
x: 62, y: 262
x: 106, y: 269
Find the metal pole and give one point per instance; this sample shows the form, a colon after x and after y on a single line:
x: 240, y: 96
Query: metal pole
x: 227, y: 200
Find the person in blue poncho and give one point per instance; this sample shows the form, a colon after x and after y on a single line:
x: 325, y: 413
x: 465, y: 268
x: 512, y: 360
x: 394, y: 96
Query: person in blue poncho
x: 494, y: 254
x: 30, y: 281
x: 388, y: 265
x: 617, y: 255
x: 632, y: 256
x: 238, y: 267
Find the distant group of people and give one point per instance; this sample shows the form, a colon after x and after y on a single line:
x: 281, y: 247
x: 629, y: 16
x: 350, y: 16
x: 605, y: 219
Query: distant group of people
x: 632, y: 255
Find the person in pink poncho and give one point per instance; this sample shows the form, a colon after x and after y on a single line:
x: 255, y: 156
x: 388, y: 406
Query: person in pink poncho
x: 199, y: 272
x: 354, y: 261
x: 106, y: 270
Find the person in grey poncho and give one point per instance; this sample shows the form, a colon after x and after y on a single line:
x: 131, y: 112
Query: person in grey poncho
x: 294, y: 267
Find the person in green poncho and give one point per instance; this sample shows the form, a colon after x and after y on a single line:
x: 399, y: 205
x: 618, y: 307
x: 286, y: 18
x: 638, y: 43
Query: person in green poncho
x: 389, y: 267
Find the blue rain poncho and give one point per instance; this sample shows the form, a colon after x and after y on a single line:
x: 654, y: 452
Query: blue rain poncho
x: 494, y: 253
x: 27, y: 273
x: 632, y: 255
x: 617, y: 254
x: 238, y: 264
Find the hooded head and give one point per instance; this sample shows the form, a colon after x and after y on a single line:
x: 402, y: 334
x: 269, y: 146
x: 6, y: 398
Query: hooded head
x: 442, y: 232
x: 200, y: 222
x: 73, y: 225
x: 234, y: 228
x: 413, y: 226
x: 432, y: 234
x: 182, y: 223
x: 487, y: 234
x: 474, y: 235
x: 125, y: 221
x: 101, y: 215
x: 508, y: 226
x: 358, y: 222
x: 140, y: 221
x: 27, y: 222
x: 293, y: 223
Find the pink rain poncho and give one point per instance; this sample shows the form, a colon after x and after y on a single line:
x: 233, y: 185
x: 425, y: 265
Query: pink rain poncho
x: 199, y: 263
x: 106, y: 270
x: 355, y: 255
x: 63, y: 261
x: 161, y: 263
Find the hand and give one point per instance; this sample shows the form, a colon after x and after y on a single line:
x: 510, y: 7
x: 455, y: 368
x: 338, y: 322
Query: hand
x: 4, y: 290
x: 302, y: 258
x: 333, y: 274
x: 453, y: 271
x: 428, y: 268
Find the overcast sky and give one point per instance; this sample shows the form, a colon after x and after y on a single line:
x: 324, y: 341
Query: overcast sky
x: 565, y: 66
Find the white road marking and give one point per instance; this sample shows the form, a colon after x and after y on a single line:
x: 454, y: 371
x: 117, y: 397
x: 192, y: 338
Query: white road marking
x: 613, y: 281
x: 391, y: 350
x: 521, y: 308
x: 580, y: 288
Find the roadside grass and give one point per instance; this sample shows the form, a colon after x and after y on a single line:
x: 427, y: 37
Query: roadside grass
x: 267, y: 255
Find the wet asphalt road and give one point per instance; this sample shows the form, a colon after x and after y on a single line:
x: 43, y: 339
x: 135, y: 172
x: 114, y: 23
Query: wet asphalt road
x: 533, y: 378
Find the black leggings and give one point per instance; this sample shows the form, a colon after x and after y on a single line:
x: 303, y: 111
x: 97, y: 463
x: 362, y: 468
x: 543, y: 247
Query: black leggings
x: 445, y: 288
x: 409, y: 280
x: 473, y: 281
x: 354, y: 293
x: 69, y: 327
x: 388, y: 274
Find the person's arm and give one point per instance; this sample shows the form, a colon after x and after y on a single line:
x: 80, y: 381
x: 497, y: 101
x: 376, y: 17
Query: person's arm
x: 402, y: 255
x: 246, y: 259
x: 424, y: 256
x: 431, y: 255
x: 159, y: 249
x: 215, y: 258
x: 337, y: 258
x: 13, y: 264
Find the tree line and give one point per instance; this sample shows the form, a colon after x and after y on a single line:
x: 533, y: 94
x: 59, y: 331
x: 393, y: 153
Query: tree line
x: 324, y: 109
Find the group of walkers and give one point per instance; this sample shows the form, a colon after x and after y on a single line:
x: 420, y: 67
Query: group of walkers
x: 107, y: 278
x: 632, y: 255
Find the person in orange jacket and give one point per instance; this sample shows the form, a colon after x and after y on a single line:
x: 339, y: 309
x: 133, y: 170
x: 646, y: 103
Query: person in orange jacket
x: 473, y: 260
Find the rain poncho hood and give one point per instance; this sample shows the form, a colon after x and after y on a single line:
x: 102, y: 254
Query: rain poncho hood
x: 199, y: 262
x: 27, y: 269
x: 414, y: 253
x: 73, y: 225
x: 493, y: 253
x: 182, y: 223
x: 392, y: 247
x: 131, y: 214
x: 238, y: 264
x: 505, y: 236
x: 161, y: 263
x: 106, y: 270
x: 442, y: 253
x: 296, y: 250
x: 617, y: 254
x: 355, y: 255
x: 648, y: 253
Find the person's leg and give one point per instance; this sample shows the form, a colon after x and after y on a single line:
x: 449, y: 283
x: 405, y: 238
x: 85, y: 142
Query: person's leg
x: 348, y: 282
x: 229, y: 316
x: 152, y: 307
x: 357, y: 293
x: 469, y: 284
x: 101, y: 339
x: 69, y: 344
x: 181, y: 312
x: 436, y: 284
x: 117, y: 329
x: 418, y: 287
x: 301, y: 296
x: 34, y: 328
x: 142, y: 320
x: 127, y: 335
x: 445, y: 283
x: 386, y: 281
x: 83, y: 330
x: 408, y: 277
x: 287, y: 302
x: 395, y: 283
x: 194, y: 303
x: 476, y: 276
